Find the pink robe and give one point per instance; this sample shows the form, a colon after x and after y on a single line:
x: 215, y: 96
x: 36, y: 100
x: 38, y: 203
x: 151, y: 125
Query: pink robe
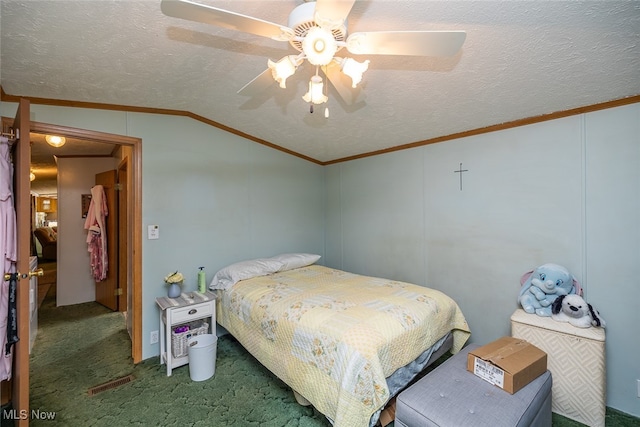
x: 96, y: 238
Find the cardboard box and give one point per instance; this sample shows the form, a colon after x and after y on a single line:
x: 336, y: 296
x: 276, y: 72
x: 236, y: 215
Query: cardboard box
x: 509, y: 363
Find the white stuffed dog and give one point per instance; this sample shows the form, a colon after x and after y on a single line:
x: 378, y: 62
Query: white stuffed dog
x: 575, y: 310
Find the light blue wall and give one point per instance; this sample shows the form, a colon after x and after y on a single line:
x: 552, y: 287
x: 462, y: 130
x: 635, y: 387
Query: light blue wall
x: 612, y: 250
x: 565, y: 191
x: 218, y: 199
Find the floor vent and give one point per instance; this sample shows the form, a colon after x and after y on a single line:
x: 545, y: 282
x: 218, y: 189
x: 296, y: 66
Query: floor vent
x: 109, y: 385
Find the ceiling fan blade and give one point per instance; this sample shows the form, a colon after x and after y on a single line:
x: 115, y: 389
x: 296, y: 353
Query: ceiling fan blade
x: 334, y: 10
x: 258, y: 84
x: 341, y: 82
x: 223, y: 18
x: 416, y: 43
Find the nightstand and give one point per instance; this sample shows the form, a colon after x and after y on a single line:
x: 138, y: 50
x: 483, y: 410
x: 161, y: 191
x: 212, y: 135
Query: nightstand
x: 187, y: 308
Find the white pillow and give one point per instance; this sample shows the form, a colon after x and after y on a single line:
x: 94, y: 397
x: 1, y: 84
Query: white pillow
x: 295, y: 260
x: 233, y: 273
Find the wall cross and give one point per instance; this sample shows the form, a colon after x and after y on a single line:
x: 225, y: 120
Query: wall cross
x: 461, y: 171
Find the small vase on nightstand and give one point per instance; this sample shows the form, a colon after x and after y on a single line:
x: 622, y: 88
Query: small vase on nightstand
x: 174, y: 290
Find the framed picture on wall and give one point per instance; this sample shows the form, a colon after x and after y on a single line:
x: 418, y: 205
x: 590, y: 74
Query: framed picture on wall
x: 86, y: 202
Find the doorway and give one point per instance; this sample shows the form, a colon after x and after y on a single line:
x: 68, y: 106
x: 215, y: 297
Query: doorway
x: 131, y: 164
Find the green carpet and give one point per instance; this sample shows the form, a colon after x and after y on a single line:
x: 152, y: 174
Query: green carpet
x: 85, y: 345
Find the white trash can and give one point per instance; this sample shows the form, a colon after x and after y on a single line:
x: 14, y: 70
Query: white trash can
x: 202, y: 356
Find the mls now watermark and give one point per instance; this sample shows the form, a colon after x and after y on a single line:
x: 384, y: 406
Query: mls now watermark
x: 23, y: 414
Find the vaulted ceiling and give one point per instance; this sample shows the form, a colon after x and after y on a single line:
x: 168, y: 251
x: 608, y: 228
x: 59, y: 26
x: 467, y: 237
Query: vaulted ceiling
x: 521, y: 59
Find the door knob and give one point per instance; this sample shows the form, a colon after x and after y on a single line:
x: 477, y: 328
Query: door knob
x: 39, y: 272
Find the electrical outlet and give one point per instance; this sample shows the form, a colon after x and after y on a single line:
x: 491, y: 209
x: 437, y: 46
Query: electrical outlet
x: 638, y: 387
x: 153, y: 339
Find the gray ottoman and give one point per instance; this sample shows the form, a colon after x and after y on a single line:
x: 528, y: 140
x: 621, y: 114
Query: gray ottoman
x: 452, y: 396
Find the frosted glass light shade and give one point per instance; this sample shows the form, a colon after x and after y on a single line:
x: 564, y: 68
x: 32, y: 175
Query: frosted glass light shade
x: 284, y: 68
x: 354, y: 69
x: 315, y: 94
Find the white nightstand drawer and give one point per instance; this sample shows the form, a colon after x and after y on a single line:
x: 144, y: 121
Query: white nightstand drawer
x: 196, y: 311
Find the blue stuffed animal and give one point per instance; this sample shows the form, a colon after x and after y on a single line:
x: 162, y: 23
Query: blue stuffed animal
x: 541, y: 287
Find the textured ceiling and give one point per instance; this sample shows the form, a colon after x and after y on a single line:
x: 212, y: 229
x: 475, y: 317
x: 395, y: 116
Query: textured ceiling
x: 520, y: 59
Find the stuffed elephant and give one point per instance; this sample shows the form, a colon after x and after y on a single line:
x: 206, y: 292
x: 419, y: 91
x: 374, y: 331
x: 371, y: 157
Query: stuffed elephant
x: 542, y: 286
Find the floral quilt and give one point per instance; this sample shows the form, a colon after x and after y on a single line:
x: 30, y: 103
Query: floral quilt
x: 335, y: 336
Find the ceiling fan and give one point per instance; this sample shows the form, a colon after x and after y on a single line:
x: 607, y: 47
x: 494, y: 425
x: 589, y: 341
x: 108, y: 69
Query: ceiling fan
x: 318, y: 31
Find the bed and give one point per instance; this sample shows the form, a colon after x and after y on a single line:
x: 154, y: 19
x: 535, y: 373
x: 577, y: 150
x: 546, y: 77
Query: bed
x: 346, y: 343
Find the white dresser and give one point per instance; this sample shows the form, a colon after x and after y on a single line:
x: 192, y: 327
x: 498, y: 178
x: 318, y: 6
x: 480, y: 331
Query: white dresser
x: 576, y: 359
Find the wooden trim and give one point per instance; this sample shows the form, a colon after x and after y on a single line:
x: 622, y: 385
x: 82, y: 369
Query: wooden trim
x: 135, y: 174
x: 494, y: 128
x: 487, y: 129
x: 22, y: 198
x: 87, y: 135
x: 83, y: 156
x: 181, y: 113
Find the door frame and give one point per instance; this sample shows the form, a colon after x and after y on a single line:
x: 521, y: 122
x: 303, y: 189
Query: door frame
x: 124, y: 236
x: 135, y: 199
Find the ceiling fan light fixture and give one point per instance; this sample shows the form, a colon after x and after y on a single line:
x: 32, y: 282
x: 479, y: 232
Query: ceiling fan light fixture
x: 319, y: 46
x: 318, y: 29
x: 316, y: 91
x: 353, y: 69
x: 284, y: 68
x: 55, y: 140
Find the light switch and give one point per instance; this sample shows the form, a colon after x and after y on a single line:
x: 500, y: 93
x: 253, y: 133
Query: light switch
x: 153, y: 232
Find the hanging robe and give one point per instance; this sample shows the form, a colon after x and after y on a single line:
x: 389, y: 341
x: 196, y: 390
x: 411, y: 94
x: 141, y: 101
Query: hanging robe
x: 96, y: 236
